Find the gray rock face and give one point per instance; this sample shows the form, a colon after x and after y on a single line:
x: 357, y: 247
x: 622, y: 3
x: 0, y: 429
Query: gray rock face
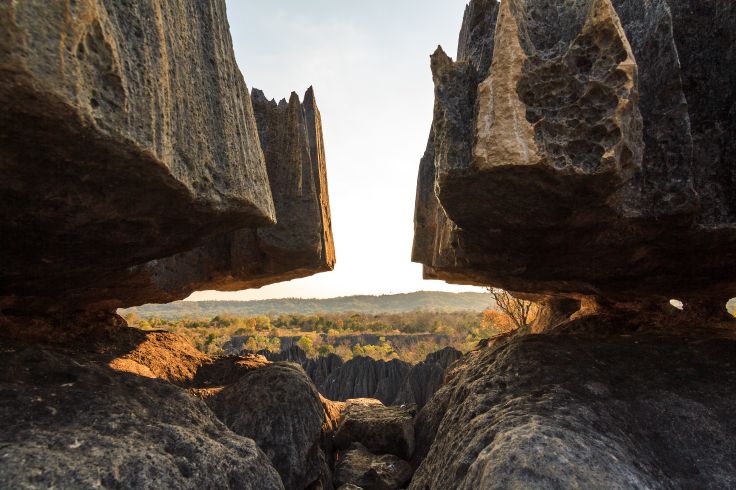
x: 298, y: 245
x: 71, y: 423
x: 318, y: 369
x: 349, y: 486
x: 109, y: 197
x: 580, y: 148
x: 393, y: 383
x: 641, y: 410
x: 426, y: 377
x: 101, y: 166
x: 363, y: 377
x: 379, y: 428
x: 358, y: 468
x: 277, y: 406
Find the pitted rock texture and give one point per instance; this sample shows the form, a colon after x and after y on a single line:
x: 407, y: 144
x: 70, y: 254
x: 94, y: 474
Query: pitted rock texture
x: 300, y: 243
x: 381, y: 429
x: 359, y: 468
x: 111, y: 198
x: 101, y: 167
x: 278, y: 406
x: 75, y: 423
x: 604, y: 403
x: 579, y: 148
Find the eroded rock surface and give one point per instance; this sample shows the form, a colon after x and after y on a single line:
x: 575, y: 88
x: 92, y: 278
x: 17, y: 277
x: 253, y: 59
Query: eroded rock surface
x: 394, y: 383
x: 426, y: 377
x: 101, y: 167
x: 278, y: 406
x: 379, y: 428
x: 580, y: 148
x: 75, y: 423
x: 637, y: 407
x: 359, y: 468
x: 110, y: 198
x: 298, y: 245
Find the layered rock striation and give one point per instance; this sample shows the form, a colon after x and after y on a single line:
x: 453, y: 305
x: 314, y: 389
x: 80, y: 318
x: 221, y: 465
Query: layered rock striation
x: 583, y: 148
x: 133, y: 162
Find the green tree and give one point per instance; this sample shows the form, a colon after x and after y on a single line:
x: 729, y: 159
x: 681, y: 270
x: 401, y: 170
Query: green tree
x: 307, y: 345
x: 325, y: 349
x: 263, y: 323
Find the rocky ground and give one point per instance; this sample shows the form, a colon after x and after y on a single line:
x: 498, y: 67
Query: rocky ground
x: 598, y: 402
x: 602, y: 403
x: 124, y: 408
x: 75, y: 422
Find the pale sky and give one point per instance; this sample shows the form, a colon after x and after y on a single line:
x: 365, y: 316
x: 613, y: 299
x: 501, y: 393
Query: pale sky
x: 369, y: 64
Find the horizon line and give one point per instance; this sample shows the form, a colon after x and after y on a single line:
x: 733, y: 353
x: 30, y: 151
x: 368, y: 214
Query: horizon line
x: 315, y: 298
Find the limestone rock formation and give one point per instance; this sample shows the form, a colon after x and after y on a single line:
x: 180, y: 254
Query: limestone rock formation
x: 69, y: 422
x: 110, y: 197
x: 379, y: 428
x: 278, y: 406
x: 319, y: 369
x: 393, y: 383
x: 648, y: 409
x: 298, y: 245
x: 584, y: 148
x: 359, y: 468
x: 101, y: 166
x: 426, y: 377
x: 363, y: 377
x: 349, y: 486
x: 137, y: 169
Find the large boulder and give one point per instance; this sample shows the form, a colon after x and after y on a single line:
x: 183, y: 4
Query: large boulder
x: 109, y: 197
x: 298, y: 245
x: 101, y: 167
x: 584, y: 148
x: 636, y: 408
x: 75, y: 423
x: 278, y: 406
x: 379, y: 428
x: 359, y: 468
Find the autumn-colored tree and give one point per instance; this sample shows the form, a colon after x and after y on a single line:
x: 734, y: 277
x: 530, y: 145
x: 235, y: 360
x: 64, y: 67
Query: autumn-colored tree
x: 520, y: 311
x: 495, y: 322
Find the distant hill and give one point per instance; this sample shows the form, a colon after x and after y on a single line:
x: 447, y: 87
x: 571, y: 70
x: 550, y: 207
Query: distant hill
x: 390, y: 303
